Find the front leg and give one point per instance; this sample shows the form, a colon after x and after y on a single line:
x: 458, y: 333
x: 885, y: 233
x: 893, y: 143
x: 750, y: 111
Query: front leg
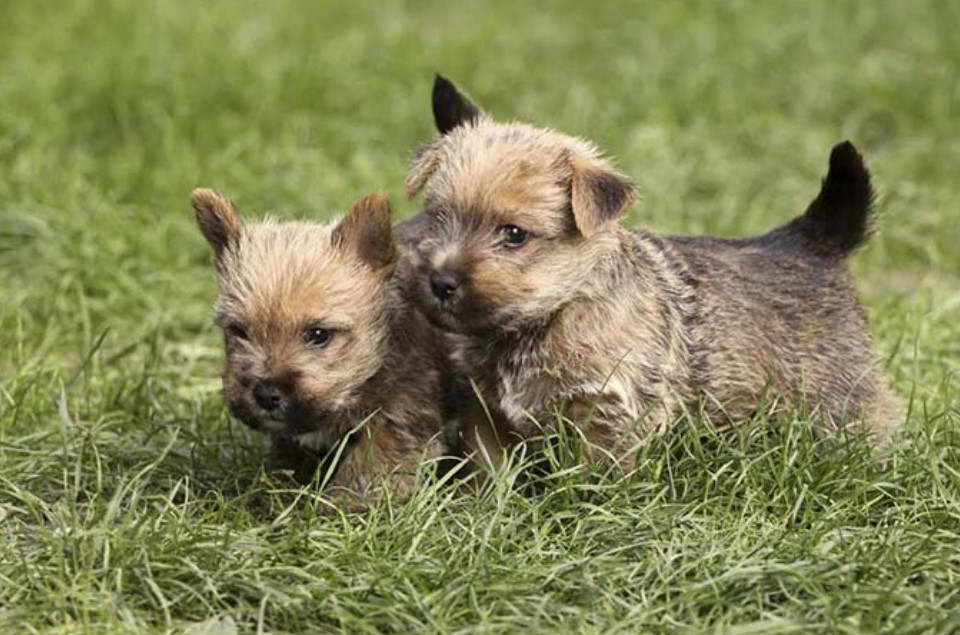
x: 382, y: 457
x: 484, y: 438
x: 287, y: 455
x: 612, y: 428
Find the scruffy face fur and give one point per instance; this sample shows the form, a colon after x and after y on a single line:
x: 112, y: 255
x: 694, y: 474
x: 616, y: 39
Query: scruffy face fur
x: 303, y: 311
x: 519, y: 216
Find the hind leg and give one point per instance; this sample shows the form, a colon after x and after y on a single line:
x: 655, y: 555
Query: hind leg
x: 883, y: 418
x: 873, y: 414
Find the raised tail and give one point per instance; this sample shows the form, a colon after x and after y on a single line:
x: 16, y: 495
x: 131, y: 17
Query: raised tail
x: 840, y: 219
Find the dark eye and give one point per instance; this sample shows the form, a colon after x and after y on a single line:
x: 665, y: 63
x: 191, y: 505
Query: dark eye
x: 317, y: 336
x: 513, y: 236
x: 237, y: 331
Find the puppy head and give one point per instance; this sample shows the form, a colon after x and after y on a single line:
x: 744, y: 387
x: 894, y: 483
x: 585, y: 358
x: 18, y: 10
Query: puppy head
x: 520, y: 215
x: 304, y: 310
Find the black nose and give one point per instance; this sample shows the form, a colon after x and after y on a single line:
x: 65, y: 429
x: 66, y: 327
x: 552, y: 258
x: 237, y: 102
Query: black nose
x: 444, y: 284
x: 268, y: 395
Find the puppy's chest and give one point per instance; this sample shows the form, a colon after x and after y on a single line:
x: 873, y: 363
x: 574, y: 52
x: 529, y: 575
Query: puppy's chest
x: 501, y: 371
x: 530, y: 383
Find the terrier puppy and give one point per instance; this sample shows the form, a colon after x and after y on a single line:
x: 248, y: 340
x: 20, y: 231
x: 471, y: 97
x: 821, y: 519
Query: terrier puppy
x: 557, y: 306
x: 321, y: 347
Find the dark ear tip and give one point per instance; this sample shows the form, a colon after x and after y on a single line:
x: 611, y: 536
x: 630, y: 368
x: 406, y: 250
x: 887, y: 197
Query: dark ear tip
x: 444, y: 91
x: 451, y: 108
x: 441, y: 83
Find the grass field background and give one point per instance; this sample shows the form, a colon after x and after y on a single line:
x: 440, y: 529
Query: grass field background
x: 130, y: 502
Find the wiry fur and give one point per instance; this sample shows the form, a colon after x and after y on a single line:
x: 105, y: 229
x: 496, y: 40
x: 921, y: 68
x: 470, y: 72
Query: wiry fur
x: 627, y: 329
x: 381, y: 368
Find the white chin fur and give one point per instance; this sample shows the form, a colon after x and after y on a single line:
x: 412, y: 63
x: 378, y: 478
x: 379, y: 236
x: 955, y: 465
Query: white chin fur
x: 311, y: 440
x: 271, y: 426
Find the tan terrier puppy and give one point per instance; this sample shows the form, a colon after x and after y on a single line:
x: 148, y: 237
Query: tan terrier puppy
x: 557, y: 306
x: 321, y: 347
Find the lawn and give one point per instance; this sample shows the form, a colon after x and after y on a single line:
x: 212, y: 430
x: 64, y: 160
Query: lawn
x: 130, y: 502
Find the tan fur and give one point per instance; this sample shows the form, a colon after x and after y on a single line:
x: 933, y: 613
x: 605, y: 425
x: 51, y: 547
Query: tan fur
x: 626, y: 330
x: 378, y: 379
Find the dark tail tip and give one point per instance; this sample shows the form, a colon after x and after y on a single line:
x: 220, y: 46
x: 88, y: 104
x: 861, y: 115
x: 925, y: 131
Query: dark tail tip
x: 839, y: 219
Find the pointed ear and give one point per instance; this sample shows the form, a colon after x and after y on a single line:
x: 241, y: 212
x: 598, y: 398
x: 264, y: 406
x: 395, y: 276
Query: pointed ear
x: 451, y: 108
x: 366, y: 230
x: 217, y: 219
x: 598, y: 195
x: 424, y: 164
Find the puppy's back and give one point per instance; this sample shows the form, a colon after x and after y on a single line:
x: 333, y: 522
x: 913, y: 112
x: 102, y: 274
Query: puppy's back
x: 779, y: 313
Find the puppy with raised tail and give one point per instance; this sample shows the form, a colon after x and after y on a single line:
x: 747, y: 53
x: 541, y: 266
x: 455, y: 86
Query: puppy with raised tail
x: 558, y: 307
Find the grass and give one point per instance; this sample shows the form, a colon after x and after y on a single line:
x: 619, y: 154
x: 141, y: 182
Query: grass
x: 130, y: 502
